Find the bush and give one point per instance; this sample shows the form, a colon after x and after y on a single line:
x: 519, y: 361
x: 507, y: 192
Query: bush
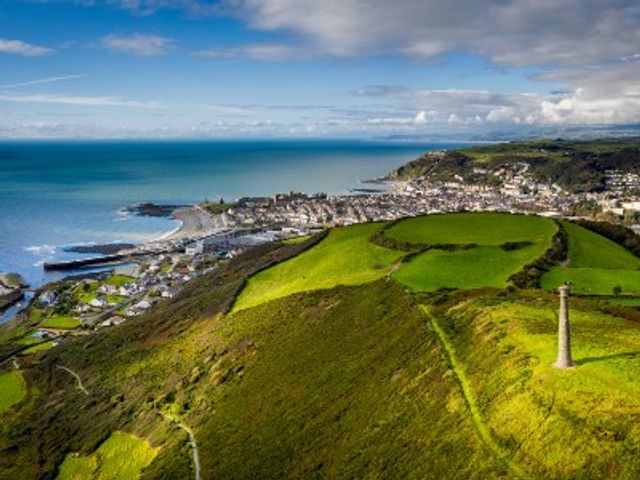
x: 529, y: 276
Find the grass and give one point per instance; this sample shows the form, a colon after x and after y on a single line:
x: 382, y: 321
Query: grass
x: 38, y: 348
x: 28, y: 340
x: 85, y: 292
x: 486, y: 265
x: 296, y: 240
x: 588, y: 249
x: 115, y: 298
x: 121, y: 456
x: 12, y: 390
x: 118, y: 280
x: 596, y: 265
x: 555, y: 424
x: 469, y: 395
x: 483, y: 266
x: 345, y: 257
x: 86, y: 297
x: 594, y: 281
x: 341, y: 383
x: 64, y: 322
x: 466, y: 228
x: 35, y: 315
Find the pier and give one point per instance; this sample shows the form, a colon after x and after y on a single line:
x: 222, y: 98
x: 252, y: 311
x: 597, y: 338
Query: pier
x: 88, y: 262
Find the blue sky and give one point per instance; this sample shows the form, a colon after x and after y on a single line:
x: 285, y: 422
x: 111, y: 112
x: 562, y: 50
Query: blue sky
x: 303, y: 68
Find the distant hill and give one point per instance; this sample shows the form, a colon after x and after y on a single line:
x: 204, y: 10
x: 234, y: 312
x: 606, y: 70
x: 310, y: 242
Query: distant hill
x: 577, y: 166
x: 394, y: 350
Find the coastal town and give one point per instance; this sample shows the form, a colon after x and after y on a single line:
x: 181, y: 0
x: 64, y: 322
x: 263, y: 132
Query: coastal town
x: 132, y: 280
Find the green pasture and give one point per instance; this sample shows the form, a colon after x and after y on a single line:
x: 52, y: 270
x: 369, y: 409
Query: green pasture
x: 12, y: 389
x: 345, y: 257
x: 477, y: 228
x: 595, y: 266
x: 121, y: 457
x: 482, y: 266
x: 61, y: 322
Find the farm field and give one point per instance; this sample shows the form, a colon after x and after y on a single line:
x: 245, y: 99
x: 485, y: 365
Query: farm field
x: 348, y: 257
x: 596, y: 265
x: 12, y: 389
x: 485, y: 265
x: 345, y: 257
x: 121, y: 456
x: 588, y: 249
x: 467, y: 228
x: 61, y: 321
x: 482, y: 266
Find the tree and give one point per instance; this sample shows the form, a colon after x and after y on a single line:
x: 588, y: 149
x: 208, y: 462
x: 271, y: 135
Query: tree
x: 617, y: 290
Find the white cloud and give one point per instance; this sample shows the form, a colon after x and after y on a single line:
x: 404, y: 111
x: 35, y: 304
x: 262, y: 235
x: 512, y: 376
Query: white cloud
x: 18, y: 47
x: 607, y: 98
x: 40, y: 81
x: 143, y: 45
x: 258, y: 51
x: 99, y: 101
x: 519, y: 32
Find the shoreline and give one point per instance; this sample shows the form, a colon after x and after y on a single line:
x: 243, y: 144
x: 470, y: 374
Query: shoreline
x: 194, y: 222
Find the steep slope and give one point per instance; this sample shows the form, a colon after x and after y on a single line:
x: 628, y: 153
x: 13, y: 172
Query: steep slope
x: 360, y: 381
x: 341, y: 383
x: 578, y: 423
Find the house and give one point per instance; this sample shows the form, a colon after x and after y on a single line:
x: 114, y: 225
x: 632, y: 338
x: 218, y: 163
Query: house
x: 169, y: 292
x: 98, y: 303
x: 115, y: 320
x: 47, y: 298
x: 196, y: 248
x: 82, y: 308
x: 108, y: 289
x: 138, y: 308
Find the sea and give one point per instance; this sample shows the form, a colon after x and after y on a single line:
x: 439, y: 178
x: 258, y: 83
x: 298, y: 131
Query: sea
x: 54, y: 195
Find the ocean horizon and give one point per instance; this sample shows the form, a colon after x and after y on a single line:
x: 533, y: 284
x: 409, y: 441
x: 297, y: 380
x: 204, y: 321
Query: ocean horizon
x: 56, y: 194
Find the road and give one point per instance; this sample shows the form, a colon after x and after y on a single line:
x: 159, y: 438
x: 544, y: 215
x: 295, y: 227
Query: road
x: 192, y: 441
x: 77, y: 377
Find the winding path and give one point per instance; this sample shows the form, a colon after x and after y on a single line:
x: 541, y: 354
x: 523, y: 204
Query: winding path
x: 192, y: 442
x: 470, y: 399
x: 77, y: 377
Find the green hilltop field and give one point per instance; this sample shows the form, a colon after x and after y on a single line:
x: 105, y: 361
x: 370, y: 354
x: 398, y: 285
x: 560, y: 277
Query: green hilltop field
x: 399, y: 350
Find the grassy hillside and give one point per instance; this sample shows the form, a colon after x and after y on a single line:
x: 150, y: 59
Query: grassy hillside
x: 500, y: 245
x: 12, y: 390
x: 588, y: 249
x: 477, y: 228
x: 595, y: 265
x: 328, y: 380
x: 344, y: 383
x: 120, y: 456
x: 578, y: 423
x: 482, y: 266
x: 575, y: 165
x: 345, y: 257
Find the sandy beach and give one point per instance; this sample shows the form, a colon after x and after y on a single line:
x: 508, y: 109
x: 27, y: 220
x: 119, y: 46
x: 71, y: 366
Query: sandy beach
x: 195, y: 221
